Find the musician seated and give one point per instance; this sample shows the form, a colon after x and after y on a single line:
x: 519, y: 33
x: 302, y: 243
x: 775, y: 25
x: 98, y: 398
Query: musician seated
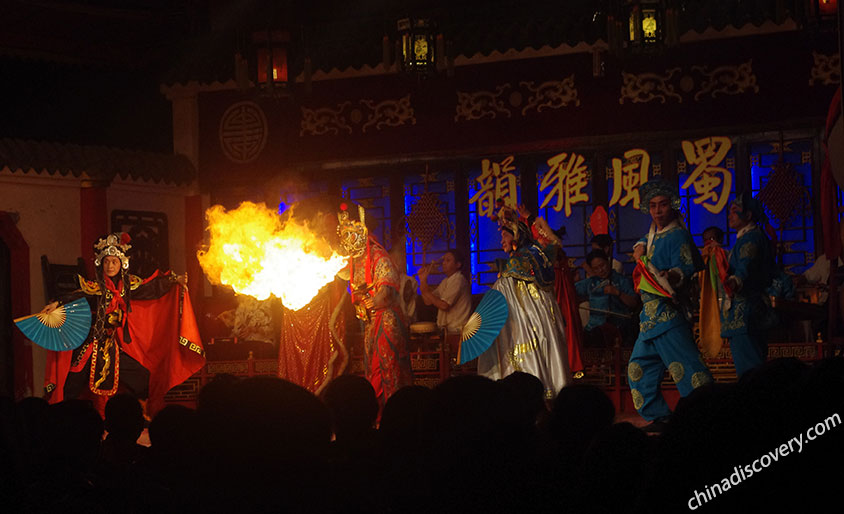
x: 611, y: 299
x: 452, y: 297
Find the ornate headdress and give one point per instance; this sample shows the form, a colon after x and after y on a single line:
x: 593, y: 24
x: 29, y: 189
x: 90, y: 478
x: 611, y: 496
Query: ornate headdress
x: 508, y: 220
x: 657, y: 187
x: 115, y: 245
x: 353, y: 234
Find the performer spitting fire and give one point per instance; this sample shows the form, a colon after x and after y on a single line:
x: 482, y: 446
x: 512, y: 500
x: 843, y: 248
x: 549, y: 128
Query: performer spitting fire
x: 374, y: 286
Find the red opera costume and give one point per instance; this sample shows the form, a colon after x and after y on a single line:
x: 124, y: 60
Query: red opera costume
x: 151, y: 321
x: 374, y: 286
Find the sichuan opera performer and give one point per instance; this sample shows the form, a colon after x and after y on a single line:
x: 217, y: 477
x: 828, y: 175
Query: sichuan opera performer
x: 143, y: 338
x: 666, y: 259
x: 533, y: 338
x: 746, y: 313
x: 374, y: 288
x: 564, y: 291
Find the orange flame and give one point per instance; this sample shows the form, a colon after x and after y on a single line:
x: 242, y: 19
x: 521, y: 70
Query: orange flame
x: 255, y: 253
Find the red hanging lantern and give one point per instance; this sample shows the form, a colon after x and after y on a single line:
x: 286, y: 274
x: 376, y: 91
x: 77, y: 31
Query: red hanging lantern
x: 271, y: 59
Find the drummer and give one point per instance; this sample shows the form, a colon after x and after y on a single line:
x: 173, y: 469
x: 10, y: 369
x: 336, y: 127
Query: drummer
x: 611, y: 298
x: 452, y: 297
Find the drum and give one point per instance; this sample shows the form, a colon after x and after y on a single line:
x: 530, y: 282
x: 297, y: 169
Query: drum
x: 423, y: 328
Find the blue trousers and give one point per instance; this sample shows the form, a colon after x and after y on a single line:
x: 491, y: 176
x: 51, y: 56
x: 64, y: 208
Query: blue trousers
x: 749, y: 351
x: 674, y: 349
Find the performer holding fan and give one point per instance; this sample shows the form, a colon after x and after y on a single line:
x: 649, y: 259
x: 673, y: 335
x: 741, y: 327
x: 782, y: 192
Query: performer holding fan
x: 142, y: 337
x: 532, y: 338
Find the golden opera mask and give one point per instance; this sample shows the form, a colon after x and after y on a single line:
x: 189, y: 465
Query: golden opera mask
x: 352, y: 234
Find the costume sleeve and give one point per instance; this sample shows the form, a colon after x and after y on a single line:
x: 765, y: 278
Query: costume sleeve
x: 685, y: 257
x: 154, y: 287
x: 750, y: 263
x: 743, y: 256
x: 385, y: 273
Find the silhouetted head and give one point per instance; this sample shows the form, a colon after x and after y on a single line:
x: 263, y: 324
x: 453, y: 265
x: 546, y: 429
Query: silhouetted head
x: 124, y: 417
x: 353, y: 405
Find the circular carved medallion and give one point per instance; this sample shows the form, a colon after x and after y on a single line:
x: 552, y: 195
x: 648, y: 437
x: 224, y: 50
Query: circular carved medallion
x: 243, y: 132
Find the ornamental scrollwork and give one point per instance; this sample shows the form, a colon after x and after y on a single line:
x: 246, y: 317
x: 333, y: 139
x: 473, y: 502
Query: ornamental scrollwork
x: 727, y: 80
x: 325, y: 120
x: 645, y: 87
x: 481, y: 104
x: 551, y: 94
x: 826, y: 69
x: 389, y: 113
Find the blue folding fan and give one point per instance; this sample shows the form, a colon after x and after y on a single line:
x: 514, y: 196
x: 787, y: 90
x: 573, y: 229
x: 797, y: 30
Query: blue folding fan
x: 483, y: 326
x: 63, y: 329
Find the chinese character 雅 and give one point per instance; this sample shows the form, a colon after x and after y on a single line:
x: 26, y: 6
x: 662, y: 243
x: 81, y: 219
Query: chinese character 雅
x: 568, y: 180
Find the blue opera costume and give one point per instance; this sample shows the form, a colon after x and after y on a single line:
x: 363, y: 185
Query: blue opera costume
x: 593, y: 288
x: 747, y: 316
x: 665, y: 334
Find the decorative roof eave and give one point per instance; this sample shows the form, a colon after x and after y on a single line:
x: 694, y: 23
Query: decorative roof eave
x: 512, y: 54
x: 94, y: 163
x: 191, y: 88
x: 136, y: 185
x: 749, y: 29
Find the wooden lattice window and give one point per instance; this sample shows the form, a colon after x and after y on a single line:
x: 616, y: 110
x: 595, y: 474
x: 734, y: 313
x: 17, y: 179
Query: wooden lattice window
x: 373, y: 193
x: 150, y: 244
x: 796, y: 235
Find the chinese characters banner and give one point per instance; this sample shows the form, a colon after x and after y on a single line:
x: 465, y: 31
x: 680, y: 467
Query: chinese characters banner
x: 705, y: 173
x: 564, y: 187
x: 565, y: 182
x: 494, y: 182
x: 710, y: 177
x: 626, y: 171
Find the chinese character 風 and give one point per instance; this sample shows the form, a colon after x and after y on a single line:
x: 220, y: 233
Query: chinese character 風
x: 629, y: 177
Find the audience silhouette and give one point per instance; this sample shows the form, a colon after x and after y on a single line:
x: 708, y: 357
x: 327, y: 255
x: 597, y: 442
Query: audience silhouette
x: 468, y: 445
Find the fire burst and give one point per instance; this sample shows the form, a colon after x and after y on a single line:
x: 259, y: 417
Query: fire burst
x: 255, y: 253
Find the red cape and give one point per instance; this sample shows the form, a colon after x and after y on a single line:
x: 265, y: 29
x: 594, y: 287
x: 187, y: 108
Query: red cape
x: 567, y: 299
x: 165, y: 340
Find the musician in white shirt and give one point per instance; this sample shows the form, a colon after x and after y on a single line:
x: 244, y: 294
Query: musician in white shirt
x: 452, y: 297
